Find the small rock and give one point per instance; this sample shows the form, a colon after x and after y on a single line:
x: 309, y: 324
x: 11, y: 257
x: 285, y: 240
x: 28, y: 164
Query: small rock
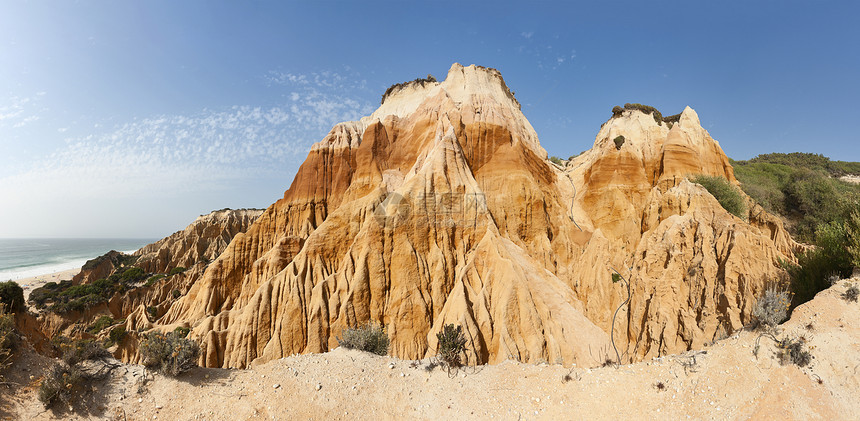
x: 319, y: 386
x: 158, y: 406
x: 275, y: 386
x: 139, y: 400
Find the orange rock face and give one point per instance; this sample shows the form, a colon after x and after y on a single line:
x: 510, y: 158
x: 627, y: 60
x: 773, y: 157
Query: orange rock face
x: 441, y: 207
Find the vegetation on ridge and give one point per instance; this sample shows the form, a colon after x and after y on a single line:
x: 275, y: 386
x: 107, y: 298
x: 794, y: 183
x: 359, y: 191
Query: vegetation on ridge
x: 647, y: 109
x: 64, y: 296
x: 818, y: 209
x: 801, y: 188
x: 726, y: 194
x: 11, y: 296
x: 398, y: 86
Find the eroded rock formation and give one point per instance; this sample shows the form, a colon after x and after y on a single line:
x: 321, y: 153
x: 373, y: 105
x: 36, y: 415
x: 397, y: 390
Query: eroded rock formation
x: 441, y: 207
x: 201, y: 241
x: 188, y: 251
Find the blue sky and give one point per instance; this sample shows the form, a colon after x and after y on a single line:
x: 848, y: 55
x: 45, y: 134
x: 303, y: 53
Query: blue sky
x: 129, y: 119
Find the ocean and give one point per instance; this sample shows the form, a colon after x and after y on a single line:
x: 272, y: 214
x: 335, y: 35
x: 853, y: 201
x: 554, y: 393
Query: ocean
x: 23, y: 258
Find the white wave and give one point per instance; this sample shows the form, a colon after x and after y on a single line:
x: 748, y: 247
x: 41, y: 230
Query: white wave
x: 31, y: 271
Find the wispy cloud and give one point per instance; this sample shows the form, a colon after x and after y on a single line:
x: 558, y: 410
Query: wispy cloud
x: 15, y: 111
x: 191, y: 153
x: 547, y: 52
x: 25, y: 121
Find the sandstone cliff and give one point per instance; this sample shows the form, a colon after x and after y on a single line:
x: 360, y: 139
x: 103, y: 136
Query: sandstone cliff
x: 99, y: 268
x: 441, y: 207
x: 201, y: 241
x: 156, y: 288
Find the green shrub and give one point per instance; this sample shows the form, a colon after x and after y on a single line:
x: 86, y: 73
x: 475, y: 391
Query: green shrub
x: 801, y: 188
x: 66, y: 380
x: 132, y: 275
x: 47, y: 292
x: 152, y: 311
x: 11, y: 296
x: 815, y: 162
x: 793, y: 351
x: 7, y: 338
x: 556, y: 160
x: 66, y: 297
x: 398, y: 86
x: 451, y: 344
x: 619, y: 140
x: 101, y: 323
x: 182, y: 331
x: 61, y: 383
x: 176, y: 270
x: 852, y: 237
x: 851, y: 294
x: 771, y: 309
x: 672, y: 119
x: 83, y: 350
x: 152, y: 280
x: 815, y: 266
x: 169, y: 354
x: 369, y: 338
x: 725, y: 193
x: 617, y: 110
x: 116, y: 336
x: 176, y: 293
x: 647, y: 109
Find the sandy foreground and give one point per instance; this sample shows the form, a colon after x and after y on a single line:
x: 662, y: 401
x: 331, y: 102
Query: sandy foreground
x: 724, y: 381
x: 29, y: 284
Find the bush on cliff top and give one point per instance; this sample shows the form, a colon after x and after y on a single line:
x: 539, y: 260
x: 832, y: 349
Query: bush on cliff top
x: 397, y: 86
x: 11, y: 296
x: 65, y: 296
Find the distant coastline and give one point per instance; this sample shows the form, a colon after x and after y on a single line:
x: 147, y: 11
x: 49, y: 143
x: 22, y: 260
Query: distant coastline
x: 27, y: 258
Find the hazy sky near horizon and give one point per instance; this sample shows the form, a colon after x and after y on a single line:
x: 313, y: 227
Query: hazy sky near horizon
x: 129, y: 119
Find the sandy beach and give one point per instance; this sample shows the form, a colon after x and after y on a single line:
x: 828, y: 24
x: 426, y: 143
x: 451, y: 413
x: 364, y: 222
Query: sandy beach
x: 31, y: 283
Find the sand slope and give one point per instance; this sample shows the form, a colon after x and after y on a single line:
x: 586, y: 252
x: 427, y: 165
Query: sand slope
x: 726, y: 382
